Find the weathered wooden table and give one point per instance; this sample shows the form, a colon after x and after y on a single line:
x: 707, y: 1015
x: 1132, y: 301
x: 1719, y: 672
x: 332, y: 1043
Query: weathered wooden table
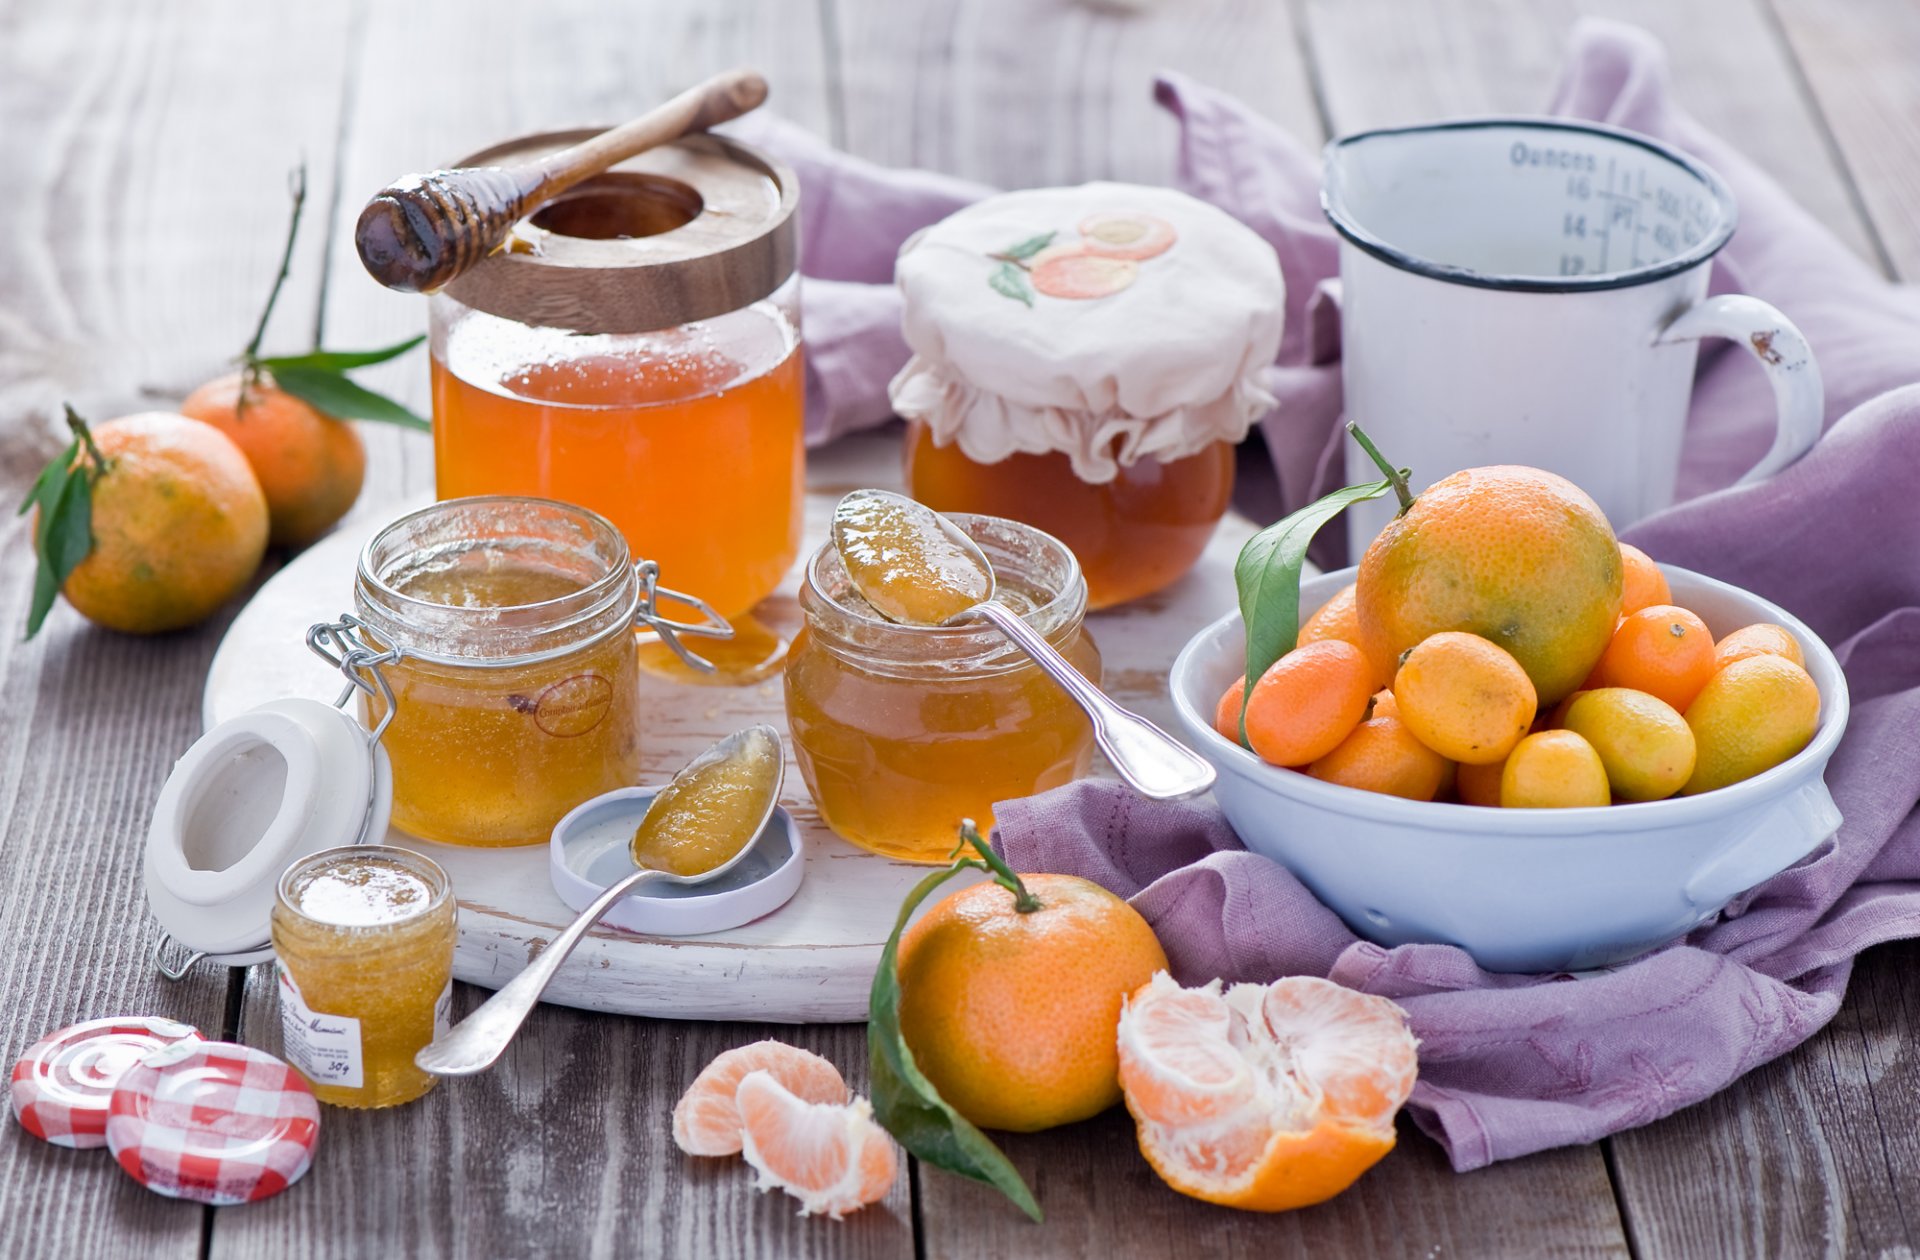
x: 140, y: 210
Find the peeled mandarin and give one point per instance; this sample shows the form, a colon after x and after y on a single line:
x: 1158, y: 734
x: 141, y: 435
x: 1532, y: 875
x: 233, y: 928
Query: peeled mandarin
x: 1308, y: 701
x: 1465, y: 697
x: 1553, y: 770
x: 1750, y: 717
x: 1646, y: 747
x: 1762, y: 637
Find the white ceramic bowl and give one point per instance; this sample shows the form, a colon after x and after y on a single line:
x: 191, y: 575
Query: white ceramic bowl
x: 1522, y: 890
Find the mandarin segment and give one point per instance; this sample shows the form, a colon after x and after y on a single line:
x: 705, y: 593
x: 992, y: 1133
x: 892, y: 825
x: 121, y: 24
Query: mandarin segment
x: 1464, y: 697
x: 1308, y: 701
x: 833, y: 1157
x: 1307, y: 1108
x: 1753, y: 715
x: 706, y: 1120
x: 1517, y: 555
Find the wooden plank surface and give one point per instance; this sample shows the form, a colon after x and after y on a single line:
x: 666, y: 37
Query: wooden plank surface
x: 1861, y: 63
x: 1026, y: 92
x: 142, y: 222
x: 149, y: 146
x: 1384, y: 62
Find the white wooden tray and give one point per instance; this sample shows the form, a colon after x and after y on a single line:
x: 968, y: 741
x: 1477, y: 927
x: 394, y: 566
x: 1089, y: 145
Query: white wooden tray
x: 810, y: 961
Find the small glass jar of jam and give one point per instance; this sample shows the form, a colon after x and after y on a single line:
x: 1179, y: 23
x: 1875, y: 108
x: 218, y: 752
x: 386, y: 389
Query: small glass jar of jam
x: 1085, y: 360
x: 903, y: 731
x: 363, y: 941
x: 636, y: 349
x: 514, y: 681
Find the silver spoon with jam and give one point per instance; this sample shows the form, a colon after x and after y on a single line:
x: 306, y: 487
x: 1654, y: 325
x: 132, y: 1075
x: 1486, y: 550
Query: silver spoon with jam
x: 695, y: 830
x: 917, y: 568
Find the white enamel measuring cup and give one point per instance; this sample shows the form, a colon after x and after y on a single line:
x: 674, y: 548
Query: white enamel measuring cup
x: 1532, y: 291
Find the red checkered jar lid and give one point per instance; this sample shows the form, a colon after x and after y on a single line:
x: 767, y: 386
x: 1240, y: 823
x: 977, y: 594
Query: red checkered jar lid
x: 62, y: 1084
x: 213, y: 1122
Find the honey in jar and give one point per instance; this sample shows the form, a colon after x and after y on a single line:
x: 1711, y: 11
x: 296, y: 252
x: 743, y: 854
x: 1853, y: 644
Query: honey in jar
x: 515, y: 695
x: 636, y: 350
x: 1085, y: 360
x: 363, y: 940
x: 901, y: 731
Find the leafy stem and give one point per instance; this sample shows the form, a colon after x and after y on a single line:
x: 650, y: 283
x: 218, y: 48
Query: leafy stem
x: 1396, y: 477
x: 319, y: 377
x: 993, y: 864
x: 63, y: 528
x: 298, y: 187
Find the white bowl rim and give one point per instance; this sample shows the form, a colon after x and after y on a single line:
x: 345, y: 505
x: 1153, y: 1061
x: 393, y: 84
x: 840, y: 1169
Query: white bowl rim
x: 1581, y: 820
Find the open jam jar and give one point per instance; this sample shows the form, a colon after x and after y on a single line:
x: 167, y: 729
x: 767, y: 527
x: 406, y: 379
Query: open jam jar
x: 363, y: 940
x: 515, y: 684
x: 636, y: 349
x: 902, y: 731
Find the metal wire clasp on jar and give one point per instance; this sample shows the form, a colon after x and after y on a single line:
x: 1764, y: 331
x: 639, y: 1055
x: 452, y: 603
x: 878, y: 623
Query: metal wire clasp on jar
x: 492, y: 646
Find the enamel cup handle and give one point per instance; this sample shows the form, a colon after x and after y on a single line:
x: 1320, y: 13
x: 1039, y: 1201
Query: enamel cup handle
x: 1798, y: 397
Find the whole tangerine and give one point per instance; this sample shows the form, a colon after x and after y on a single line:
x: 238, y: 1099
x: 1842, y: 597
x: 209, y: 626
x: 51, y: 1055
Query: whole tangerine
x: 1464, y: 697
x: 1750, y: 717
x: 1011, y: 1013
x: 1662, y: 650
x: 1642, y: 584
x: 310, y: 465
x: 179, y: 525
x: 1308, y: 701
x: 1519, y: 556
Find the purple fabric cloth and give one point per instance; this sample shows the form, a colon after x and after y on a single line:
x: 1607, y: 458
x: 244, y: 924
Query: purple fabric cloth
x: 1515, y: 1064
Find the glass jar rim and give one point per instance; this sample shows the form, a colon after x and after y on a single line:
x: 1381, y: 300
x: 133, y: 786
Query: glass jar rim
x: 438, y: 882
x: 579, y: 618
x: 976, y: 648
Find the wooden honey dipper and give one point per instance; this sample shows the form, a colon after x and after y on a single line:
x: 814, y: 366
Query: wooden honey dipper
x: 424, y: 230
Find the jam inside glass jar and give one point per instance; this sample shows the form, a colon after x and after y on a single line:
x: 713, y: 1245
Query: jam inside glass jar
x: 1133, y: 535
x: 903, y: 731
x: 363, y: 940
x: 516, y: 695
x: 689, y: 439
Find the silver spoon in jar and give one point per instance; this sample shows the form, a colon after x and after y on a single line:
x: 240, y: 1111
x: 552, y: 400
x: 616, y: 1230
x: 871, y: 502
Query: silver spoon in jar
x: 477, y: 1041
x: 916, y: 567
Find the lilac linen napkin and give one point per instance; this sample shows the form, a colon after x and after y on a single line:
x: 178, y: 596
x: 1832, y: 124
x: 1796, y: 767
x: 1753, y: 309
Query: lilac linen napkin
x: 1514, y: 1064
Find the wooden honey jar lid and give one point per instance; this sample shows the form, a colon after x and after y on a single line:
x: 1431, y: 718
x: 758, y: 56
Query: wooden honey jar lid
x: 683, y: 232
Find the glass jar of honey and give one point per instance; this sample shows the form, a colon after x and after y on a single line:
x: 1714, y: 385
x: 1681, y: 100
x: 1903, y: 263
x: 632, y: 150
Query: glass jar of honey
x: 636, y: 349
x: 902, y: 731
x: 510, y: 679
x: 1085, y: 360
x: 363, y: 940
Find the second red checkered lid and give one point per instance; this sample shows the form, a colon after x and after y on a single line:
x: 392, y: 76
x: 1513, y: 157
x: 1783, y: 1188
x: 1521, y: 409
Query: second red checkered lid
x: 213, y: 1122
x: 62, y: 1083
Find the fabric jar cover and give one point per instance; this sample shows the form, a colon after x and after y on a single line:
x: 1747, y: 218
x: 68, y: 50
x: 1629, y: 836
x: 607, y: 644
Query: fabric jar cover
x: 1110, y: 322
x: 214, y: 1122
x: 62, y: 1084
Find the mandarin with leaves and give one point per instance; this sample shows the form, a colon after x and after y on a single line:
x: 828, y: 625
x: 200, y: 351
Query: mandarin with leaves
x: 178, y: 524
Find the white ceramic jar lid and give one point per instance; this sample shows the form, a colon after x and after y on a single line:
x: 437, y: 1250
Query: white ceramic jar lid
x: 253, y: 795
x: 1111, y: 322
